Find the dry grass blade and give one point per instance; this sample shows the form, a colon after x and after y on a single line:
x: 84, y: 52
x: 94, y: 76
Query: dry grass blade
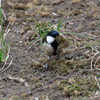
x: 4, y: 49
x: 93, y: 98
x: 93, y: 58
x: 3, y: 68
x: 6, y: 33
x: 21, y: 80
x: 8, y: 65
x: 97, y: 82
x: 96, y: 61
x: 4, y: 15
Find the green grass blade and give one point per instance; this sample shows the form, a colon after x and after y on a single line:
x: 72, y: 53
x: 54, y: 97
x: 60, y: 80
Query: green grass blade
x: 34, y: 34
x: 1, y: 36
x: 1, y: 55
x: 6, y: 47
x: 59, y: 25
x: 34, y: 40
x: 37, y: 24
x: 77, y: 34
x: 41, y: 42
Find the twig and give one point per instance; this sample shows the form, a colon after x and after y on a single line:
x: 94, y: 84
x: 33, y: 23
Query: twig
x: 88, y: 59
x: 92, y: 60
x: 6, y: 33
x: 4, y: 15
x: 92, y: 49
x: 61, y: 77
x: 97, y: 82
x: 7, y: 27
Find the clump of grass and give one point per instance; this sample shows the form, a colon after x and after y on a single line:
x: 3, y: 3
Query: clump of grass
x: 4, y: 48
x: 77, y: 34
x: 42, y: 29
x: 80, y: 86
x: 1, y: 38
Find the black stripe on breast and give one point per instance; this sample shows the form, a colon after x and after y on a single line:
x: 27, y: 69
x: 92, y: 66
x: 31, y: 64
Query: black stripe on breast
x: 54, y: 44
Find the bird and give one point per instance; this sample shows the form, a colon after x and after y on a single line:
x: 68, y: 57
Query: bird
x: 54, y: 44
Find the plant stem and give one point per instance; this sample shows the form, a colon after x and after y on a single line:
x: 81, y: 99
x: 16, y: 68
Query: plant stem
x: 1, y: 35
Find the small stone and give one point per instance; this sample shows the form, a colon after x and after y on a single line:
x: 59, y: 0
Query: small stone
x: 36, y: 98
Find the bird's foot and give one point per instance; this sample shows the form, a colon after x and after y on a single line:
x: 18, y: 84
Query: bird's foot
x: 45, y: 66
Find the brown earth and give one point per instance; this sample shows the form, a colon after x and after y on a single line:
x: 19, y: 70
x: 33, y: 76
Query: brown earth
x: 67, y: 78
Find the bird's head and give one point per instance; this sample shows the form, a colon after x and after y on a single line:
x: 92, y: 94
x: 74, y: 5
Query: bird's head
x: 51, y: 36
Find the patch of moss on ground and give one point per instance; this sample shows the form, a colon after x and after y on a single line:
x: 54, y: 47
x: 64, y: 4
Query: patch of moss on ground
x: 63, y: 66
x: 78, y: 86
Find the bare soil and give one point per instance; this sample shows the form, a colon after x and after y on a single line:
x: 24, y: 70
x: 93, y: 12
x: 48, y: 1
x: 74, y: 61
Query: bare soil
x: 71, y: 77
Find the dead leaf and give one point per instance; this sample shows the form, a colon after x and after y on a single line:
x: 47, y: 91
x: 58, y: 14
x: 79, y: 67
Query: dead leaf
x: 29, y: 5
x: 12, y: 18
x: 26, y: 13
x: 76, y: 92
x: 76, y: 12
x: 22, y: 31
x: 79, y: 28
x: 17, y: 5
x: 55, y: 2
x: 76, y: 1
x: 45, y: 14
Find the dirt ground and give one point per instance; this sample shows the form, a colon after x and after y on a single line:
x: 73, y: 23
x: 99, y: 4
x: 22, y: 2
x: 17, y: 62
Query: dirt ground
x: 74, y: 76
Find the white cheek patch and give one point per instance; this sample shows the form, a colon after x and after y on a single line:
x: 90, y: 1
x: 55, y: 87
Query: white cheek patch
x: 49, y: 39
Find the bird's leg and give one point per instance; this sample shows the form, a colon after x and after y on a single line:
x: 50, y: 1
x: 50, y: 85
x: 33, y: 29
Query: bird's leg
x: 46, y: 65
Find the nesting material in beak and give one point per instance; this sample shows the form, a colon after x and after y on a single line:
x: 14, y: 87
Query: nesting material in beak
x: 54, y: 44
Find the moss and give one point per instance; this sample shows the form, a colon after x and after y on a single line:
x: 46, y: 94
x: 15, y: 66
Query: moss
x: 62, y: 66
x: 76, y: 92
x: 53, y: 63
x: 80, y: 65
x: 65, y: 66
x: 60, y: 88
x: 76, y: 12
x: 70, y: 62
x: 42, y: 97
x: 79, y: 86
x: 34, y: 79
x: 23, y: 95
x: 63, y: 81
x: 66, y: 90
x: 14, y: 98
x: 38, y: 84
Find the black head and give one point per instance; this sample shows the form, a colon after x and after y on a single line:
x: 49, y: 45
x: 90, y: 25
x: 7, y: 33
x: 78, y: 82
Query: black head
x: 53, y: 33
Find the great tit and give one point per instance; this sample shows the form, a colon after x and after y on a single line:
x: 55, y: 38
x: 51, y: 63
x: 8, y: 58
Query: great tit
x: 54, y: 44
